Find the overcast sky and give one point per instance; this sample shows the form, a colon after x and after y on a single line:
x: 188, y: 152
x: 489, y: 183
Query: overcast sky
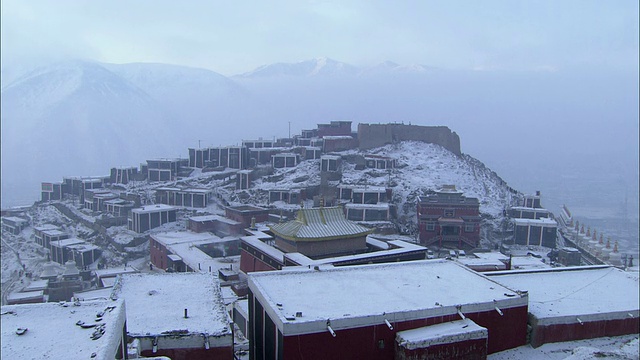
x: 232, y: 37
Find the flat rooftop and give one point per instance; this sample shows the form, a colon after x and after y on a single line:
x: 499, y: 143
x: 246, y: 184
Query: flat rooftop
x: 539, y: 222
x: 156, y: 303
x: 219, y: 218
x: 67, y: 242
x: 599, y: 292
x: 399, y: 248
x: 45, y: 227
x: 53, y: 334
x: 181, y: 237
x: 355, y: 296
x: 444, y: 333
x: 14, y: 219
x: 113, y: 272
x: 154, y: 208
x: 53, y: 232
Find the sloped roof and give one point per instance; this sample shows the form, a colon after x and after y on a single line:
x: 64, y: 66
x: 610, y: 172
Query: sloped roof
x: 316, y: 224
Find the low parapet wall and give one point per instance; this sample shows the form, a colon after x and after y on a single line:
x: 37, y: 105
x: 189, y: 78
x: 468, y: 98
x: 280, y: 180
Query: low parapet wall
x: 375, y: 135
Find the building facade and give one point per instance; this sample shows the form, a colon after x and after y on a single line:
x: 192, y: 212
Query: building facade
x: 326, y: 316
x: 449, y: 219
x: 151, y: 216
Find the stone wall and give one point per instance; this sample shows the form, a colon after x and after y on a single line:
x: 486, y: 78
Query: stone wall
x: 376, y: 135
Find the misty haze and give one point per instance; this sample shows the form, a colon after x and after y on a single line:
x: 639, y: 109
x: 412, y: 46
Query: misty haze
x: 235, y: 125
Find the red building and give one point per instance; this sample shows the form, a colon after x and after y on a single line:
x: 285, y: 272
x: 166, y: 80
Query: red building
x: 245, y: 213
x: 214, y: 223
x: 576, y: 303
x: 357, y: 312
x: 183, y: 251
x: 181, y: 316
x: 462, y: 339
x: 449, y: 219
x: 256, y: 255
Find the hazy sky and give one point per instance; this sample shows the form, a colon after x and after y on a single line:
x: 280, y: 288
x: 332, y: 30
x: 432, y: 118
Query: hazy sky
x: 231, y: 37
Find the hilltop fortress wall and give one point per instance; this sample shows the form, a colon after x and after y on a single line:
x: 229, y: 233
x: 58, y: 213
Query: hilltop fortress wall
x: 375, y: 135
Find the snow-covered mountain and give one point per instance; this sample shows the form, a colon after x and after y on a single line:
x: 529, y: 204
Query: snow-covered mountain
x: 73, y: 118
x: 389, y: 68
x: 163, y: 81
x: 315, y: 67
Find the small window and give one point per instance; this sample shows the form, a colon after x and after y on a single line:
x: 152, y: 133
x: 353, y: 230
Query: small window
x: 449, y: 213
x: 431, y: 227
x: 469, y: 228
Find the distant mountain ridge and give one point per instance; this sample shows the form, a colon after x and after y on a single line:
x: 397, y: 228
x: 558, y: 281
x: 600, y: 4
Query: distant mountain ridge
x: 328, y: 67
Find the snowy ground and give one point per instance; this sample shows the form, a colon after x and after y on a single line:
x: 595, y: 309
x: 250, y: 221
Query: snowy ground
x: 619, y: 347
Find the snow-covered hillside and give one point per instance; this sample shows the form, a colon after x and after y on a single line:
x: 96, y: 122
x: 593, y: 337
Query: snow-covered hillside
x: 422, y: 168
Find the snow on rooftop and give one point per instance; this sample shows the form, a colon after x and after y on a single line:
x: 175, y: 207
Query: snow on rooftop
x: 529, y: 209
x: 538, y: 222
x: 592, y: 291
x: 444, y: 333
x: 67, y: 242
x: 26, y: 295
x: 52, y: 332
x: 45, y: 227
x: 223, y: 219
x: 377, y: 243
x: 112, y: 272
x: 381, y: 206
x: 471, y: 262
x: 200, y: 261
x: 153, y: 208
x: 53, y: 232
x: 399, y: 247
x: 97, y: 294
x: 362, y: 294
x: 84, y: 247
x: 267, y: 249
x: 15, y: 219
x: 528, y: 262
x: 37, y: 285
x: 338, y: 137
x: 108, y: 282
x: 491, y: 256
x: 179, y: 237
x: 156, y: 303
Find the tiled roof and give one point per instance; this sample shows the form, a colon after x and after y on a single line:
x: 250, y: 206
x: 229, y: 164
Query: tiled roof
x: 319, y: 224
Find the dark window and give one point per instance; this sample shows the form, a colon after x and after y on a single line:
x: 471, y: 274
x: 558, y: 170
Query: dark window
x: 269, y: 339
x: 258, y: 329
x: 355, y: 214
x: 371, y: 198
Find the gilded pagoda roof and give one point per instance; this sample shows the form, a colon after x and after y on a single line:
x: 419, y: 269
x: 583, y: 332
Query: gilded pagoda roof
x: 317, y: 224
